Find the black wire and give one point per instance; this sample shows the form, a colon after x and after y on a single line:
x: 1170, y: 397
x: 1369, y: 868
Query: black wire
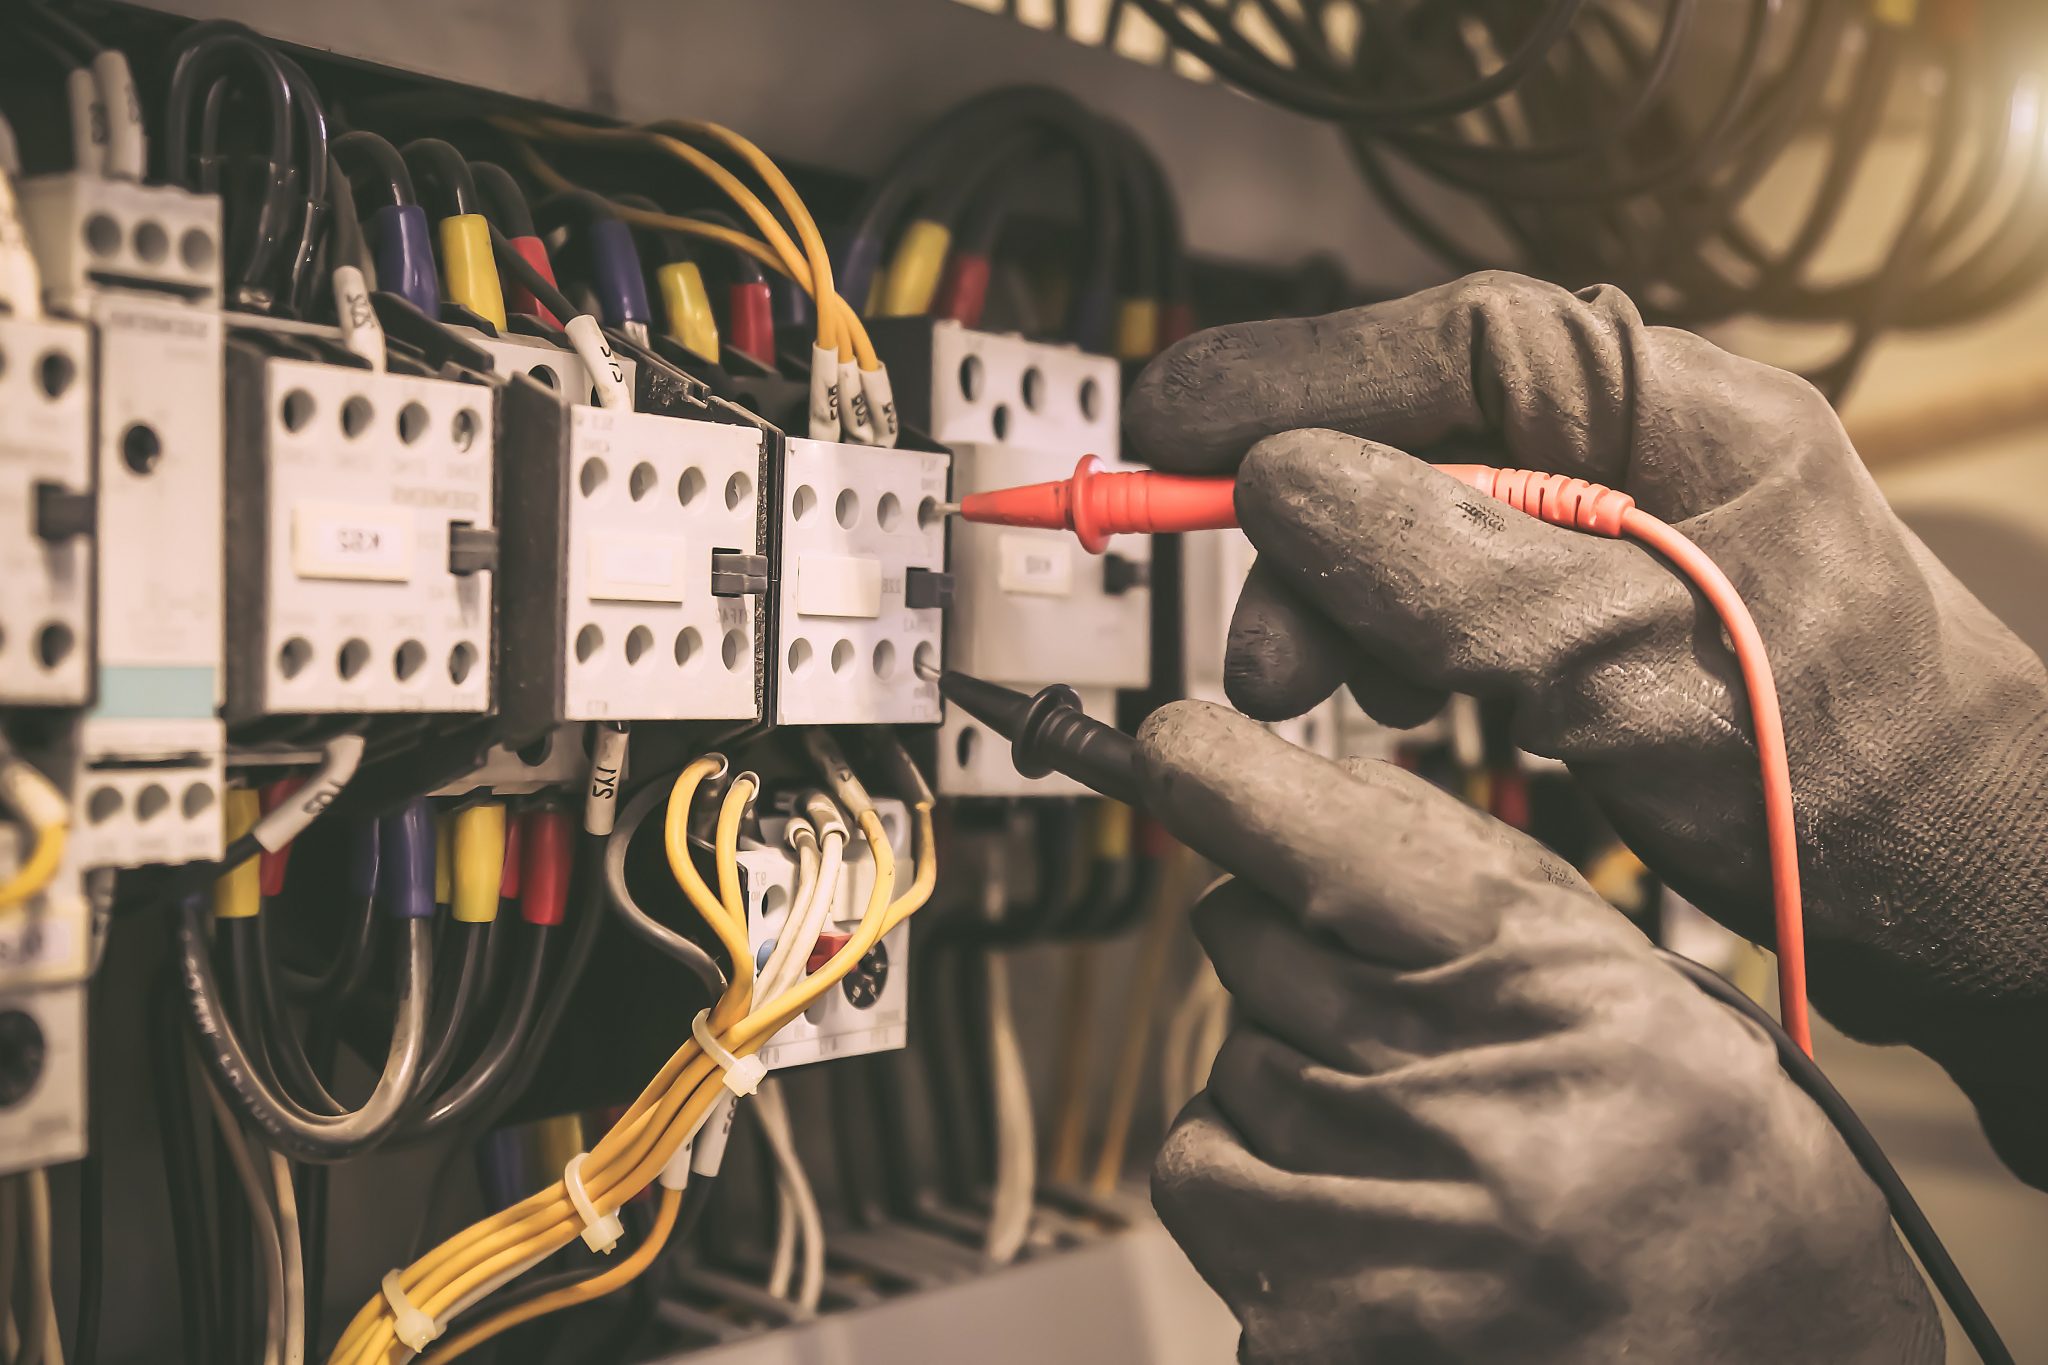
x: 445, y: 183
x: 746, y: 269
x: 455, y: 1007
x: 521, y: 269
x: 184, y: 1176
x: 372, y: 163
x: 1920, y: 1234
x: 503, y: 201
x: 481, y: 1081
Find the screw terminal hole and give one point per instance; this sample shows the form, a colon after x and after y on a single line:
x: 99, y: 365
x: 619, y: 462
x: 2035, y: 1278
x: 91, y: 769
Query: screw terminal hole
x: 409, y: 660
x: 885, y: 659
x: 54, y: 643
x: 799, y: 655
x: 297, y: 410
x: 545, y: 376
x: 927, y: 514
x: 464, y: 430
x: 971, y: 377
x: 195, y: 249
x: 461, y: 662
x: 54, y: 373
x: 842, y: 656
x: 688, y: 643
x: 738, y: 489
x: 1034, y: 388
x: 588, y: 641
x: 412, y: 423
x: 999, y: 421
x: 889, y: 512
x: 846, y: 508
x: 639, y: 640
x: 356, y: 416
x: 141, y: 448
x: 103, y: 805
x: 102, y: 235
x: 690, y: 487
x: 354, y: 657
x: 964, y: 747
x: 591, y: 477
x: 152, y: 243
x: 732, y: 649
x: 1091, y: 399
x: 803, y: 502
x: 151, y: 802
x: 197, y: 800
x: 294, y: 655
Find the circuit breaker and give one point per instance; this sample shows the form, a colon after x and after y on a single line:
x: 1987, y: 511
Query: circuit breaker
x: 42, y: 1076
x: 863, y: 585
x: 46, y: 513
x: 361, y: 541
x: 634, y: 565
x: 1031, y: 607
x: 141, y: 264
x: 867, y: 1011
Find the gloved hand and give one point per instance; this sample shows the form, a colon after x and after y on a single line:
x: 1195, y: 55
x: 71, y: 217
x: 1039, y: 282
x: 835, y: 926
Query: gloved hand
x: 1465, y: 1114
x: 1917, y: 725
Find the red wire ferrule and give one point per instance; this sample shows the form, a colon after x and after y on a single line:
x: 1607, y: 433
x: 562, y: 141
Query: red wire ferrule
x: 544, y: 867
x: 750, y: 320
x: 274, y: 865
x: 515, y: 839
x: 516, y: 298
x: 964, y: 291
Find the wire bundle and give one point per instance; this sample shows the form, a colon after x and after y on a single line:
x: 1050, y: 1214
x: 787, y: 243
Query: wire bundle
x: 1625, y: 142
x: 670, y: 1112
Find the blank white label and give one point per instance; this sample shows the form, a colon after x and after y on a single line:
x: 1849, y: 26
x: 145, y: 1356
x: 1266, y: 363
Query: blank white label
x: 1038, y: 566
x: 630, y: 568
x: 839, y: 585
x: 336, y: 540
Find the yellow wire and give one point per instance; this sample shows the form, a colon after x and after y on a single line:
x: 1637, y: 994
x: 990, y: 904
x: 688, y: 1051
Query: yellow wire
x: 791, y: 266
x: 644, y: 1140
x: 596, y: 1287
x: 33, y: 795
x: 799, y: 262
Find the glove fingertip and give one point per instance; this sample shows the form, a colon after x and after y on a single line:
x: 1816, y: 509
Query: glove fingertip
x: 1283, y: 658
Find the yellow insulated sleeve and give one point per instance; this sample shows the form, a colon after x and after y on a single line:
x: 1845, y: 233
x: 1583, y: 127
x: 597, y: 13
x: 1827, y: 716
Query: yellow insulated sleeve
x: 468, y: 270
x: 688, y: 303
x: 914, y: 273
x: 479, y: 862
x: 1137, y: 329
x: 1112, y: 831
x: 239, y: 895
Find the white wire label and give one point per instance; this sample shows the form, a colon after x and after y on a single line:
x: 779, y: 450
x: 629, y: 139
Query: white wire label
x: 607, y: 768
x: 596, y: 354
x: 824, y: 395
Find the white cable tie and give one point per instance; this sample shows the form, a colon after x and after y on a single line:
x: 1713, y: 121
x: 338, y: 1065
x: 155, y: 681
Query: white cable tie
x: 601, y: 1231
x: 409, y: 1324
x: 742, y: 1074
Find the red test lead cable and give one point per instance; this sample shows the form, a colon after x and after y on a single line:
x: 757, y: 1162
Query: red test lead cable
x: 1096, y: 505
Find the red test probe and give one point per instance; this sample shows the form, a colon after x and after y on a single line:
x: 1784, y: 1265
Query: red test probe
x: 1096, y: 505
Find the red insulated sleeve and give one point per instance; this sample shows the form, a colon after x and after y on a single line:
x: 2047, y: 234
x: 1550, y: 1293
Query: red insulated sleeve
x: 545, y: 853
x: 516, y: 298
x: 963, y: 293
x: 750, y: 320
x: 273, y: 866
x: 1095, y: 505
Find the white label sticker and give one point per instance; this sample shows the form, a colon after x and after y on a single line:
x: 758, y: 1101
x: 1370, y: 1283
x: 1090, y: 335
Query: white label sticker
x: 335, y: 540
x: 630, y: 568
x: 839, y: 585
x: 1040, y: 566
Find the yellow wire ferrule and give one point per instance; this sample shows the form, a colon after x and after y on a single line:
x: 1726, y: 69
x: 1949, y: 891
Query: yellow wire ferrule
x: 688, y: 303
x: 1137, y: 329
x: 239, y: 895
x: 1112, y: 831
x: 913, y: 277
x: 479, y: 862
x: 469, y: 272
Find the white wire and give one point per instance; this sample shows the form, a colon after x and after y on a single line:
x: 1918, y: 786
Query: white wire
x: 294, y: 1260
x: 43, y: 1345
x: 1009, y: 1221
x: 127, y: 151
x: 793, y: 946
x: 777, y: 965
x: 264, y: 1219
x: 790, y: 1174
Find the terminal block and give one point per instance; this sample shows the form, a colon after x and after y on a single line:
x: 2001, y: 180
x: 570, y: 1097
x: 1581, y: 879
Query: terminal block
x: 96, y: 235
x: 361, y: 541
x: 863, y: 585
x: 47, y: 516
x: 868, y: 1011
x: 623, y: 533
x: 963, y: 386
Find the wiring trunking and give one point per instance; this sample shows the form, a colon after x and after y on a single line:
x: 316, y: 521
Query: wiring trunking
x: 142, y: 265
x: 360, y: 547
x: 629, y: 538
x: 1030, y: 606
x: 869, y: 1010
x: 862, y: 584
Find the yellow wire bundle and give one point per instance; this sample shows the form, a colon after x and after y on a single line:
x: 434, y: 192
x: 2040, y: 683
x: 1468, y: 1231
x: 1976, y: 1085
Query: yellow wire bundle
x: 670, y: 1108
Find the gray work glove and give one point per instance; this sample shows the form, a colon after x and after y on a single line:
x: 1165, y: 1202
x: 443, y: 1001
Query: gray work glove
x: 1465, y: 1114
x: 1917, y: 724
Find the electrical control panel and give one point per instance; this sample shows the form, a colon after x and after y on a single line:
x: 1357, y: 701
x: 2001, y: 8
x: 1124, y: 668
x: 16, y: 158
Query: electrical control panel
x: 867, y: 1011
x: 96, y: 235
x: 1032, y: 607
x: 46, y: 519
x: 862, y: 584
x: 42, y: 1077
x: 360, y: 550
x: 634, y: 565
x: 151, y: 787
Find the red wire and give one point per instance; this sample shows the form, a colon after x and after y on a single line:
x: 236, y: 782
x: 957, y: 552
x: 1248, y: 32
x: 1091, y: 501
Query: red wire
x: 1781, y: 834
